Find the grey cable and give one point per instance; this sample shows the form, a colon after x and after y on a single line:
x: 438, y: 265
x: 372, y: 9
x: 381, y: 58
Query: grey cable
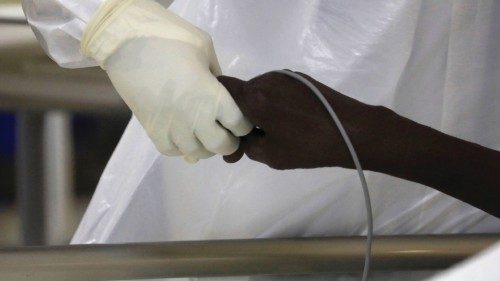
x: 366, y: 193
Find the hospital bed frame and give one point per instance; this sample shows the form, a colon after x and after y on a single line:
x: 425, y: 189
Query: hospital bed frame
x: 237, y: 257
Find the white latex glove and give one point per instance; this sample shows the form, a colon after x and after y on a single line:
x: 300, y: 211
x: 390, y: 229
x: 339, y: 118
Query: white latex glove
x: 165, y: 69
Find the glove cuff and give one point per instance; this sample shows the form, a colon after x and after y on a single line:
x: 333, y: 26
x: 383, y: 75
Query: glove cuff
x: 93, y: 47
x: 118, y: 21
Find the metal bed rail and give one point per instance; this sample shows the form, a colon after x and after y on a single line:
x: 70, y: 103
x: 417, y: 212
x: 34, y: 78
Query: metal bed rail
x: 237, y: 257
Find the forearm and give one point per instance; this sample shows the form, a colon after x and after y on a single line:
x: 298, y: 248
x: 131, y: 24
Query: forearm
x: 414, y: 152
x: 294, y: 131
x: 394, y: 145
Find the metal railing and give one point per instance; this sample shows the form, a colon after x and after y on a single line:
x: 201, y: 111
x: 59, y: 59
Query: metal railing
x: 237, y: 257
x: 4, y: 20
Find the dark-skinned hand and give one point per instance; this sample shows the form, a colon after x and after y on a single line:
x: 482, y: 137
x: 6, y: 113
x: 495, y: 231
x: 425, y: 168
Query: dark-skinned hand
x: 293, y: 129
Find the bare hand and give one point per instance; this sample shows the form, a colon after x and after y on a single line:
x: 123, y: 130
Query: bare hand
x: 294, y: 130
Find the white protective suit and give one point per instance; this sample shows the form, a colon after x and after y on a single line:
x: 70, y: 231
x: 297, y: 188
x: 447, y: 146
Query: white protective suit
x: 436, y: 62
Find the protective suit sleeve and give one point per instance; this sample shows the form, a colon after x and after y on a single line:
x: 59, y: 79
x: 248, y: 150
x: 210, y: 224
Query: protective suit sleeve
x: 58, y: 26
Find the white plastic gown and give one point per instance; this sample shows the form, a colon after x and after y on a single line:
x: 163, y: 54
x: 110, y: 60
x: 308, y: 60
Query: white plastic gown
x: 59, y: 24
x: 436, y: 62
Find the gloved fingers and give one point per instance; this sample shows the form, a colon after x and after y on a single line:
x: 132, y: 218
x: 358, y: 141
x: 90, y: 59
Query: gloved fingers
x: 189, y: 145
x: 252, y: 97
x: 215, y: 138
x: 230, y: 116
x: 202, y: 153
x: 214, y: 63
x: 235, y: 87
x: 199, y: 154
x: 165, y: 146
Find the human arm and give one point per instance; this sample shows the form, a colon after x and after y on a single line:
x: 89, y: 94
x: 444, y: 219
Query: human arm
x: 295, y: 131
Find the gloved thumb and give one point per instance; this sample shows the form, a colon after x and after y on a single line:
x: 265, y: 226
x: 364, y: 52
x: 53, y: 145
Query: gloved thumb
x: 241, y: 96
x: 235, y: 87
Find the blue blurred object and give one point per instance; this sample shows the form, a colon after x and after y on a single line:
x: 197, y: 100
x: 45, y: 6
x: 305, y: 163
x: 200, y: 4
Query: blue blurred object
x: 7, y: 134
x: 7, y: 148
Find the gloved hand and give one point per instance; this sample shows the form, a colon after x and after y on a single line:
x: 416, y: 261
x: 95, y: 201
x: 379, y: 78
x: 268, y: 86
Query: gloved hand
x: 294, y: 130
x: 164, y: 68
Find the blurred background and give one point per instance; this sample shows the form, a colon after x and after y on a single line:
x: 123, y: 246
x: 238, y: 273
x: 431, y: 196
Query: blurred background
x: 58, y: 128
